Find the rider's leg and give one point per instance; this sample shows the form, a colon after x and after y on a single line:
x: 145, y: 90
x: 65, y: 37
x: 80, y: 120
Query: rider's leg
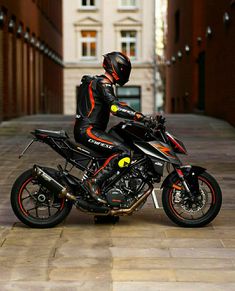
x: 119, y: 157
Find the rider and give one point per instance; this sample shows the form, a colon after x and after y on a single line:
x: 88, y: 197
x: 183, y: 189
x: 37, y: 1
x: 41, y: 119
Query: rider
x: 95, y: 100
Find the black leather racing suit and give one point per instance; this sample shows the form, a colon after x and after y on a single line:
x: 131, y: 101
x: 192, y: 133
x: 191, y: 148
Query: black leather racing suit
x: 95, y: 101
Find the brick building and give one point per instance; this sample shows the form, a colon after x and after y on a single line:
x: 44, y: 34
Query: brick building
x: 31, y: 69
x: 200, y: 57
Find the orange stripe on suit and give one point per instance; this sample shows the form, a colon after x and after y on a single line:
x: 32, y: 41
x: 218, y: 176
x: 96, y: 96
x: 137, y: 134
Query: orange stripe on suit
x: 90, y: 134
x: 91, y: 99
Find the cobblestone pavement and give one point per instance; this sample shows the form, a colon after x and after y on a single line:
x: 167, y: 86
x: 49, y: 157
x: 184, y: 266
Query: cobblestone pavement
x: 142, y: 252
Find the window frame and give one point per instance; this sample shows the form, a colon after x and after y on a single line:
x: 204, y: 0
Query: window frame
x: 129, y: 42
x: 127, y: 7
x: 88, y: 7
x: 82, y: 40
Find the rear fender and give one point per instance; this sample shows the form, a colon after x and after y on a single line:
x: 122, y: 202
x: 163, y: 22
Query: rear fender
x: 190, y: 173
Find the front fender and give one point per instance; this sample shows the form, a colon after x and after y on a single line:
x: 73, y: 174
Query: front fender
x: 188, y: 171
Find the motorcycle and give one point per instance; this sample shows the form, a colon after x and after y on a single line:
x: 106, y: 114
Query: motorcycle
x: 42, y: 197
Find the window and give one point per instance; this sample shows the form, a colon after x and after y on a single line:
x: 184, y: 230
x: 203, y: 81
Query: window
x: 127, y: 3
x: 128, y: 43
x: 88, y: 3
x: 89, y: 44
x: 130, y: 95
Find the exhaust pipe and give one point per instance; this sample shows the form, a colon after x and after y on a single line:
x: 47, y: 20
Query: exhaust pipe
x: 51, y: 184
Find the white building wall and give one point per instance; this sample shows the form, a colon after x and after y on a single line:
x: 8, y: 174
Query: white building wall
x: 108, y: 20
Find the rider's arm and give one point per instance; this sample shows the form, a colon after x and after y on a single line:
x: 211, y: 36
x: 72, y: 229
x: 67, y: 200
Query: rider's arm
x: 118, y: 108
x: 121, y: 109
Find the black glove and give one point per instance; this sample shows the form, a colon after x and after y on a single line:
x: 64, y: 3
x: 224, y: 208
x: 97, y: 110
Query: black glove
x: 149, y: 120
x: 160, y: 119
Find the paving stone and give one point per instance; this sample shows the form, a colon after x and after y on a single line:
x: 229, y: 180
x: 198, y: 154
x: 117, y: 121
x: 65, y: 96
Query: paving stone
x: 171, y: 263
x: 11, y: 251
x: 24, y: 261
x: 82, y: 252
x: 161, y: 275
x: 80, y: 274
x: 23, y: 274
x: 168, y: 286
x: 228, y: 243
x: 80, y: 262
x: 139, y: 252
x: 137, y: 233
x: 30, y: 242
x: 55, y: 286
x: 203, y: 252
x: 202, y: 233
x: 167, y: 243
x: 91, y: 242
x: 212, y: 276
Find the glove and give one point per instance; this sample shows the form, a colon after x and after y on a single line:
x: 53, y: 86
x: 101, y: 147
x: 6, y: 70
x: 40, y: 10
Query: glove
x: 160, y: 119
x: 149, y: 120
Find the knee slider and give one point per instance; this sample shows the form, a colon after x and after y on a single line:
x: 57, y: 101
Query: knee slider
x: 114, y: 108
x: 124, y: 162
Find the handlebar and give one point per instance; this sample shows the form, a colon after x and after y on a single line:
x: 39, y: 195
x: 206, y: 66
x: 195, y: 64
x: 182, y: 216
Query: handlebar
x: 156, y: 122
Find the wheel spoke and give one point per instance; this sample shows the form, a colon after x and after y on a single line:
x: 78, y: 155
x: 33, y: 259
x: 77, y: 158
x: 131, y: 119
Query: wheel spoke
x: 29, y: 196
x: 32, y: 208
x: 27, y: 190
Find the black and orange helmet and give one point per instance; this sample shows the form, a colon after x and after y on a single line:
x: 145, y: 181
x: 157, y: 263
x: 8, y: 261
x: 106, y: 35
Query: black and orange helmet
x: 118, y: 66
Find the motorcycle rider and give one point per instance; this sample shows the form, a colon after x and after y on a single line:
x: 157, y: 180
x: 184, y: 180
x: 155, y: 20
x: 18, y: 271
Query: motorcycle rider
x: 95, y: 100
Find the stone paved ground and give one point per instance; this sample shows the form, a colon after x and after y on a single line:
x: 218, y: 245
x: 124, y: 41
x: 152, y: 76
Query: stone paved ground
x: 142, y: 252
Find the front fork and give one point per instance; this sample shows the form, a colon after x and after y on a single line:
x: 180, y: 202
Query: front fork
x: 181, y: 177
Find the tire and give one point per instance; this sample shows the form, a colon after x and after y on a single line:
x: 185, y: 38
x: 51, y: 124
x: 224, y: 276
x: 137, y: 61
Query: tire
x: 27, y: 185
x: 213, y: 209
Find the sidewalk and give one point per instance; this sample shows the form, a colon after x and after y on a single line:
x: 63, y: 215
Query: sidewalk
x: 142, y: 252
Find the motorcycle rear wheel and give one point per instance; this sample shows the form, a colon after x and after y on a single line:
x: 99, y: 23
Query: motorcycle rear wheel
x: 36, y: 206
x: 209, y: 202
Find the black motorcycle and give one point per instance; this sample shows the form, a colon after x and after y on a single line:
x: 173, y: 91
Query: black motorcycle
x: 43, y: 197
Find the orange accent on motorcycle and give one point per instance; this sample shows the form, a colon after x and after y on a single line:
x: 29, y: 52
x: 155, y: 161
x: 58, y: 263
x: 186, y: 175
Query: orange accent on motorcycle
x: 105, y: 163
x: 176, y: 187
x: 20, y: 194
x: 164, y: 150
x: 91, y: 99
x: 90, y: 134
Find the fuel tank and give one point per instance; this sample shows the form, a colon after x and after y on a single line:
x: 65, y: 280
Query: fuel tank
x: 136, y: 134
x: 130, y: 132
x: 158, y: 150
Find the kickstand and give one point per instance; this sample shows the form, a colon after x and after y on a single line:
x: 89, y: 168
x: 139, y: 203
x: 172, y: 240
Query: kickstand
x: 109, y: 219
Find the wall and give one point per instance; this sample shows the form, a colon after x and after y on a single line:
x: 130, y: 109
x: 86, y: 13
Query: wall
x: 203, y: 80
x: 30, y: 57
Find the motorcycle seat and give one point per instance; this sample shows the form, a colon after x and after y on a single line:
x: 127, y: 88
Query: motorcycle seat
x: 80, y: 147
x: 61, y: 134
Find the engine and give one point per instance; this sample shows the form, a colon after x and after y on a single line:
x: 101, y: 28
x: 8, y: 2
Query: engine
x: 128, y: 188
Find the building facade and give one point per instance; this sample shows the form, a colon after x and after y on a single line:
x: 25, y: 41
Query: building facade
x: 31, y: 68
x: 200, y: 57
x: 95, y: 27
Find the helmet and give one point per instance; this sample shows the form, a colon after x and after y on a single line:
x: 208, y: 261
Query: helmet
x: 118, y: 66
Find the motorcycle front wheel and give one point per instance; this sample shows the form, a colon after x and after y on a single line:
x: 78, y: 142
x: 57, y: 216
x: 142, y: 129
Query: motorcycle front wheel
x: 35, y: 205
x: 187, y: 213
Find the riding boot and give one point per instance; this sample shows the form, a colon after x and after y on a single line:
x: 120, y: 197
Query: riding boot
x: 94, y: 183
